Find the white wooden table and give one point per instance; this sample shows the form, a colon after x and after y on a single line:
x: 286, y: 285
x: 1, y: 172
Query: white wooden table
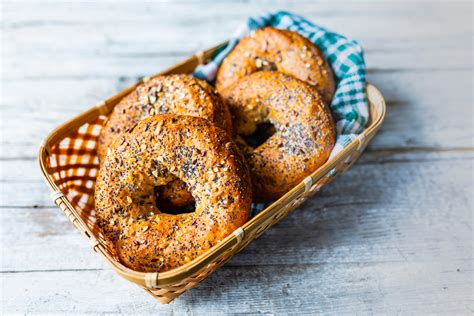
x: 392, y: 235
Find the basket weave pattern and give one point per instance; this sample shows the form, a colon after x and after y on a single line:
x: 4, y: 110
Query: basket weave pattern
x: 68, y: 159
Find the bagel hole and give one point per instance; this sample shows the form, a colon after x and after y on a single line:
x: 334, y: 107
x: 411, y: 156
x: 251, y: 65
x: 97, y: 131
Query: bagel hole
x: 263, y: 132
x: 166, y: 206
x: 189, y: 208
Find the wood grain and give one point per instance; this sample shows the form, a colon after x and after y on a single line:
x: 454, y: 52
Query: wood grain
x: 416, y: 117
x: 329, y: 228
x: 387, y: 288
x: 392, y: 235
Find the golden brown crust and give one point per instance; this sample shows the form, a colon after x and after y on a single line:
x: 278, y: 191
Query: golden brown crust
x: 158, y: 149
x: 174, y: 94
x: 305, y: 132
x: 281, y: 50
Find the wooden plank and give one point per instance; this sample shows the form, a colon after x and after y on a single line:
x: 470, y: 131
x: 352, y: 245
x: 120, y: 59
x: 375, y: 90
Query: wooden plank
x: 220, y: 20
x: 27, y: 171
x: 75, y: 64
x: 98, y: 41
x: 35, y: 193
x: 391, y: 287
x: 416, y: 117
x: 415, y: 210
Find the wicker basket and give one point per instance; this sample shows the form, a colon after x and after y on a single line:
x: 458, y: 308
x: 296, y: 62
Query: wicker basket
x: 68, y: 160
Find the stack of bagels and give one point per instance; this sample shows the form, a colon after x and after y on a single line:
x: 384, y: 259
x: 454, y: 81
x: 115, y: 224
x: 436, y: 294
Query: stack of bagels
x: 175, y: 141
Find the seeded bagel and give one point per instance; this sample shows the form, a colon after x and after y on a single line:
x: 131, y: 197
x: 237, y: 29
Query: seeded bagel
x: 175, y: 94
x: 304, y: 129
x: 280, y: 50
x: 158, y: 149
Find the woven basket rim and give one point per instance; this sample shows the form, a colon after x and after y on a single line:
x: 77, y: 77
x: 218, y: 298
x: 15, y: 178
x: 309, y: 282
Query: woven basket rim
x: 154, y: 279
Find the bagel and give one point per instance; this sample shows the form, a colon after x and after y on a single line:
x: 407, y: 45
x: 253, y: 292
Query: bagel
x: 304, y: 129
x: 158, y: 149
x: 281, y: 50
x: 175, y: 94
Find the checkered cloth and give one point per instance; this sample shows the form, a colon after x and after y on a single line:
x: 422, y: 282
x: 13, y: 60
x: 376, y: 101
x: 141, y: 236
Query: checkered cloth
x: 349, y: 106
